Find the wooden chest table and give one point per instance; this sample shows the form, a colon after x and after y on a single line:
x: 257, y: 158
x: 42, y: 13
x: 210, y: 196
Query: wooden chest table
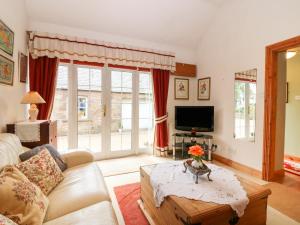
x: 182, y: 211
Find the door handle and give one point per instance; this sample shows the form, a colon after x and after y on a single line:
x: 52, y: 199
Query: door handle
x: 104, y: 110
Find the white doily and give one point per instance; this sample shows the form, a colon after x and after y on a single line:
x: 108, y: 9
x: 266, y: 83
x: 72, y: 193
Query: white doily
x: 169, y: 179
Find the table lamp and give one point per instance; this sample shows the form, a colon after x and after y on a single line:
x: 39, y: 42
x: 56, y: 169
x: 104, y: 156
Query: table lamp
x: 32, y: 98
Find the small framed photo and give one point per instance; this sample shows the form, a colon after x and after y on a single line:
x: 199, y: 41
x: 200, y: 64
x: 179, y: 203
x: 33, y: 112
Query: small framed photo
x: 6, y: 71
x: 6, y: 39
x: 181, y: 88
x: 204, y: 88
x: 23, y: 67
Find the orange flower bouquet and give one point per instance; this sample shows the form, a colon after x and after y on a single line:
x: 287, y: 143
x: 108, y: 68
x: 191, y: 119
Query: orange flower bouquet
x: 196, y: 153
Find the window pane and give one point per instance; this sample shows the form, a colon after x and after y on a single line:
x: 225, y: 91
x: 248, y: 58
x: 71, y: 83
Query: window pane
x: 60, y: 108
x: 146, y: 117
x: 252, y: 105
x: 121, y: 110
x: 144, y: 81
x: 146, y: 110
x: 240, y: 109
x: 89, y: 108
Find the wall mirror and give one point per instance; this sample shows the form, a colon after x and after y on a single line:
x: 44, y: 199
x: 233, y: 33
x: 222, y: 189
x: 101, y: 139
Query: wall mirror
x: 245, y: 104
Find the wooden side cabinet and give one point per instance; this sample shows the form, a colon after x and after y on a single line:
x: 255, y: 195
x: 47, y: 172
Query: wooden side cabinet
x: 48, y: 134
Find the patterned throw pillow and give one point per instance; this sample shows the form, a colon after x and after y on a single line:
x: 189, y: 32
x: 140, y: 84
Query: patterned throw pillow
x: 21, y: 201
x: 42, y: 170
x: 52, y: 150
x: 6, y: 221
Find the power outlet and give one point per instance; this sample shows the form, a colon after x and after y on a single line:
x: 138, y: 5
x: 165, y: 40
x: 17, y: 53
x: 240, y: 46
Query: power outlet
x: 297, y: 97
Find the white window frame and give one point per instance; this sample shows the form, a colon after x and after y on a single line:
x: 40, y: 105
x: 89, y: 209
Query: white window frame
x: 247, y: 135
x: 72, y: 106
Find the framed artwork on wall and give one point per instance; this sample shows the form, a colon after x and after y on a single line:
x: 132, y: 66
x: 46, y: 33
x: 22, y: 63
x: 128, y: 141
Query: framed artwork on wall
x: 6, y: 71
x: 23, y: 67
x: 181, y: 88
x: 204, y: 88
x: 6, y: 39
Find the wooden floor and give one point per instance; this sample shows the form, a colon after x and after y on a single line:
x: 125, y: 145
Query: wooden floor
x: 289, y: 180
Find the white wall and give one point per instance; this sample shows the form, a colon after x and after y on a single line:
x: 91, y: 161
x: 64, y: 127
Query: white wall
x: 234, y: 42
x: 13, y: 14
x: 183, y: 54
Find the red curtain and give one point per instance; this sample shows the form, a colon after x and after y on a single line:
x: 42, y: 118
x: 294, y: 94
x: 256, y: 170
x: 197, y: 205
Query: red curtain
x: 160, y: 87
x: 42, y: 78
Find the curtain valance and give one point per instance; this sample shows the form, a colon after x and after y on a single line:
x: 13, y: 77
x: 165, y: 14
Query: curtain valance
x: 75, y: 48
x: 249, y: 75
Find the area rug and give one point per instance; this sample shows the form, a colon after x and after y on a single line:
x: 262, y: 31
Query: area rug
x: 127, y: 197
x: 291, y: 165
x: 285, y: 200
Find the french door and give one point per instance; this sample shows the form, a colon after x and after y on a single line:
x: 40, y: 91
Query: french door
x: 105, y: 110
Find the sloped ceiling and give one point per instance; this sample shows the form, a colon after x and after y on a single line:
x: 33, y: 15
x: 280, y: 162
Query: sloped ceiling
x: 176, y: 22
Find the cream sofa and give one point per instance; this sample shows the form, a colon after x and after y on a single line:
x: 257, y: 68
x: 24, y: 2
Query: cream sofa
x: 80, y: 199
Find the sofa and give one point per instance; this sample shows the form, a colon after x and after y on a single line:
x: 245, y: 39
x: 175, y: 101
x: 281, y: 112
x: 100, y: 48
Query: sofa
x: 81, y: 198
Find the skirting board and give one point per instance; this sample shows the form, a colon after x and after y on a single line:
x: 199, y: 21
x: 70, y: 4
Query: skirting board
x: 295, y: 158
x: 238, y: 166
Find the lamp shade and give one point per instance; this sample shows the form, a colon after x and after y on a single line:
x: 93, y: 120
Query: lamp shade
x: 290, y: 54
x: 32, y: 97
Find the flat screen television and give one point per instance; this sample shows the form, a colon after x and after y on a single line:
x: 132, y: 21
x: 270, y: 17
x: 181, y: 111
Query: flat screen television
x: 199, y: 118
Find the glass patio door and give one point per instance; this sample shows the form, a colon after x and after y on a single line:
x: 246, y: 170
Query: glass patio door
x: 104, y: 110
x: 89, y: 108
x: 121, y: 106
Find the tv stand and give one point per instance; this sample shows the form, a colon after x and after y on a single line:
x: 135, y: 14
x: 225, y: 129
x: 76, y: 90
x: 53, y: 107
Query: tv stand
x: 182, y: 141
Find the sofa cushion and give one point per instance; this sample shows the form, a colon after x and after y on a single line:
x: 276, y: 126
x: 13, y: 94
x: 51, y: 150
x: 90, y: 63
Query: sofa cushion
x: 98, y: 214
x: 77, y: 157
x: 83, y: 186
x: 10, y: 148
x: 21, y: 201
x: 42, y: 170
x: 52, y: 150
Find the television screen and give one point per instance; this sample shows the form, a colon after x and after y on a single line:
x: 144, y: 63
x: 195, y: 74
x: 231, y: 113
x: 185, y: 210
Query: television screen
x: 200, y: 118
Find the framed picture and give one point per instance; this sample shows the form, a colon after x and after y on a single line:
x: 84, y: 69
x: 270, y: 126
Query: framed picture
x: 6, y: 39
x: 23, y: 67
x: 181, y: 88
x: 204, y: 88
x: 287, y: 92
x: 6, y: 71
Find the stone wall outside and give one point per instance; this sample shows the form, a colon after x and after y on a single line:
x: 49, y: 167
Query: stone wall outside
x: 92, y: 124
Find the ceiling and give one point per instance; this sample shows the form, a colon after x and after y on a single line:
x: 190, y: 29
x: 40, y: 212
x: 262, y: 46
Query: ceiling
x: 176, y: 22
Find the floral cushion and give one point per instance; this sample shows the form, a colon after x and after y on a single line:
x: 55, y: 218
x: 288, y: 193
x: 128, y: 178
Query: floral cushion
x: 42, y: 170
x: 51, y: 149
x: 6, y: 221
x: 24, y: 202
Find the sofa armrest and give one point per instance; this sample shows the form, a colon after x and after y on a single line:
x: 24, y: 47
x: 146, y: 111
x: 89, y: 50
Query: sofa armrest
x: 77, y: 158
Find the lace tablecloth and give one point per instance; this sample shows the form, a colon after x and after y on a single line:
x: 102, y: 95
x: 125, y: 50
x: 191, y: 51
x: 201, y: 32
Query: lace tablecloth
x: 168, y: 179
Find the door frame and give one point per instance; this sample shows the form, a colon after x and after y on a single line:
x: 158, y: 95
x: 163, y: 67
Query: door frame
x: 272, y: 51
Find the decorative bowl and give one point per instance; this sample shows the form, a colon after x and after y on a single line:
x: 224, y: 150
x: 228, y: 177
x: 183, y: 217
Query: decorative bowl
x: 196, y: 171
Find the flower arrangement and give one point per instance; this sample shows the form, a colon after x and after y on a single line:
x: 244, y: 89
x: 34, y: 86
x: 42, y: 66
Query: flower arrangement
x: 196, y: 152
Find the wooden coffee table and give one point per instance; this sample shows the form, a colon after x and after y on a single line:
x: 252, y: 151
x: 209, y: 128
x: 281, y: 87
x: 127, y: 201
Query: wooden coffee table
x: 182, y: 211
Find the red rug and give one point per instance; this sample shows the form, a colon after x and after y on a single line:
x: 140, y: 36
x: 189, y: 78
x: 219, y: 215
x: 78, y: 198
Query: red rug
x: 127, y: 196
x: 291, y: 165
